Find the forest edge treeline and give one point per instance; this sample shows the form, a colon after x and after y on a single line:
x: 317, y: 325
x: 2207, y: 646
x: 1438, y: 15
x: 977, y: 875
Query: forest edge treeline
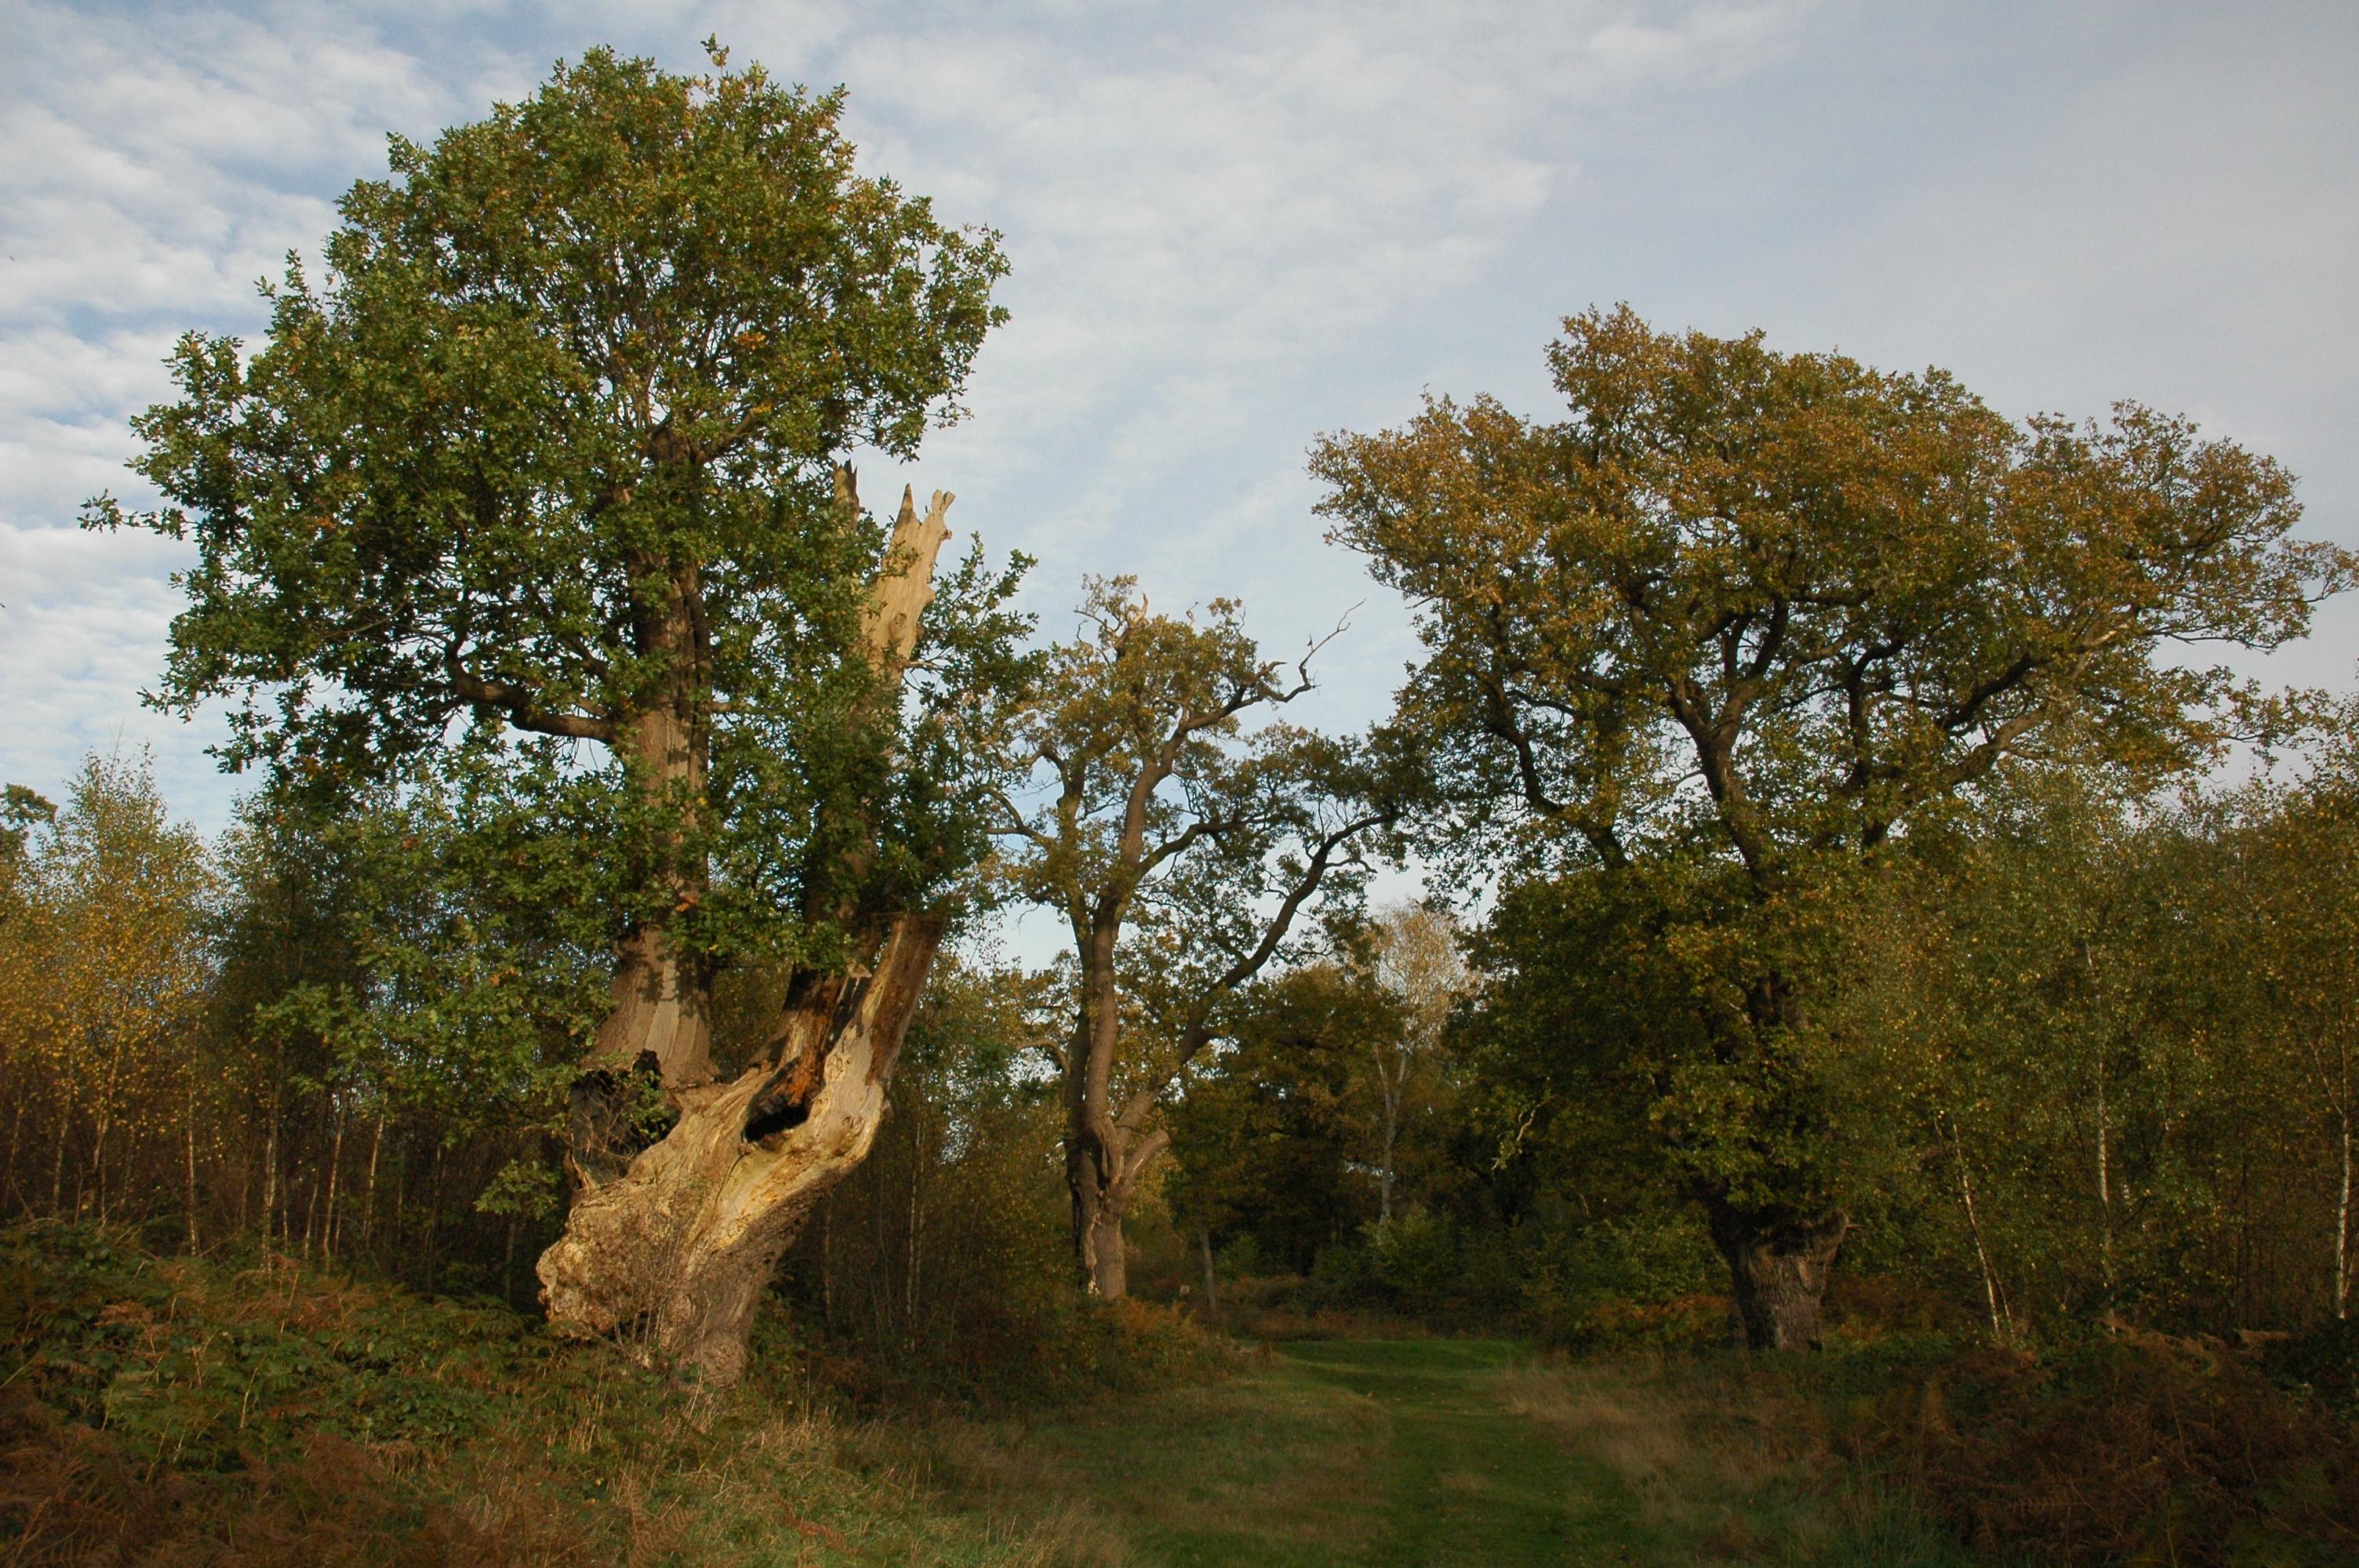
x: 621, y: 774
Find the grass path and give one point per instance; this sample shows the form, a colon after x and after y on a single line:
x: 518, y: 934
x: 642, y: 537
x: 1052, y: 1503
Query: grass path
x: 1464, y: 1480
x: 1349, y: 1454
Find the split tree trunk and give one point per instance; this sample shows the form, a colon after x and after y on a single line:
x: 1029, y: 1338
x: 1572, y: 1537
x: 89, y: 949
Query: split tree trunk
x: 669, y: 1248
x: 672, y: 1258
x: 1106, y: 1151
x: 1778, y: 1267
x: 1102, y: 1173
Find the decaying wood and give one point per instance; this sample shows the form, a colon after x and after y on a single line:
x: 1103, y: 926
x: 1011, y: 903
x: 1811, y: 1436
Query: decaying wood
x: 669, y: 1248
x: 672, y: 1258
x: 899, y: 597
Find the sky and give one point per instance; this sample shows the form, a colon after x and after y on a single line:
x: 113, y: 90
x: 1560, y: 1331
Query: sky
x: 1234, y: 227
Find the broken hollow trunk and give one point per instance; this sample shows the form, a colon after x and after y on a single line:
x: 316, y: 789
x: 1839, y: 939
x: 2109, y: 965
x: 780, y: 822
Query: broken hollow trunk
x: 671, y: 1257
x: 669, y: 1244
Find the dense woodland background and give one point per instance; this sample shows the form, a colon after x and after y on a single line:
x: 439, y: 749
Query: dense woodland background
x: 2096, y: 1065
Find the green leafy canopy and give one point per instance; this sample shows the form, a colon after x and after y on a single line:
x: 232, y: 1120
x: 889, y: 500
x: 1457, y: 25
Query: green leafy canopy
x: 1699, y: 650
x: 552, y: 448
x: 1772, y: 604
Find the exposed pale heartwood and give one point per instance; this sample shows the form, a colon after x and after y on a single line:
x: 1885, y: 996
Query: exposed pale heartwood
x: 674, y: 1255
x: 669, y: 1247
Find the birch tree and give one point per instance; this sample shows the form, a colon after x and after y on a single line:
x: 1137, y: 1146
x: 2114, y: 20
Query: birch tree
x: 1419, y: 962
x: 110, y: 974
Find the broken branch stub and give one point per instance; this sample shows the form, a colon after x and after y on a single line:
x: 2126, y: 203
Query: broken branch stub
x: 905, y: 585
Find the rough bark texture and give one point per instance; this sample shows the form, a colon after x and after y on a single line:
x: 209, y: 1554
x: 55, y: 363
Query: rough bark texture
x: 669, y: 1244
x: 1778, y: 1268
x: 1099, y: 1208
x: 659, y: 994
x: 1103, y: 1164
x: 672, y: 1258
x: 1100, y: 1164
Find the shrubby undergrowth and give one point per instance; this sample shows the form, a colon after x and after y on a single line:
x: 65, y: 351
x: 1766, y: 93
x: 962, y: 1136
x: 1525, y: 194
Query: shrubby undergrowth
x: 2103, y: 1445
x: 159, y: 1410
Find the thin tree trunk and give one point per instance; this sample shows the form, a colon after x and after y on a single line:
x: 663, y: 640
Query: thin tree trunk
x: 2343, y: 1230
x: 434, y: 1216
x: 310, y: 1215
x: 2245, y: 1288
x: 917, y: 1220
x: 191, y: 1172
x: 368, y: 1194
x: 58, y: 1166
x: 400, y: 1197
x: 270, y: 1175
x: 2001, y: 1318
x: 15, y: 1129
x: 99, y: 1127
x: 2105, y: 1185
x: 2105, y: 1262
x: 335, y: 1163
x: 1212, y: 1290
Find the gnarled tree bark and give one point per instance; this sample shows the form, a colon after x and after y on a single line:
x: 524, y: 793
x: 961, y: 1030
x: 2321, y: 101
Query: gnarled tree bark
x: 1103, y: 1164
x: 671, y: 1243
x: 1779, y: 1266
x: 673, y: 1257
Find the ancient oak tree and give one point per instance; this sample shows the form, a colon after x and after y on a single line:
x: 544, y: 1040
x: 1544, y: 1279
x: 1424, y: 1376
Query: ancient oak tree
x: 1180, y: 849
x: 550, y: 461
x: 1715, y: 636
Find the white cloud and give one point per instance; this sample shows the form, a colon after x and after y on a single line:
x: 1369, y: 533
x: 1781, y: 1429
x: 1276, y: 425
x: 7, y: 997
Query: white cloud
x: 1233, y: 225
x: 153, y: 166
x: 1206, y: 228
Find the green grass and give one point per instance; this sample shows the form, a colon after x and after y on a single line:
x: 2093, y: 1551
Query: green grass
x: 1406, y: 1454
x: 1464, y: 1480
